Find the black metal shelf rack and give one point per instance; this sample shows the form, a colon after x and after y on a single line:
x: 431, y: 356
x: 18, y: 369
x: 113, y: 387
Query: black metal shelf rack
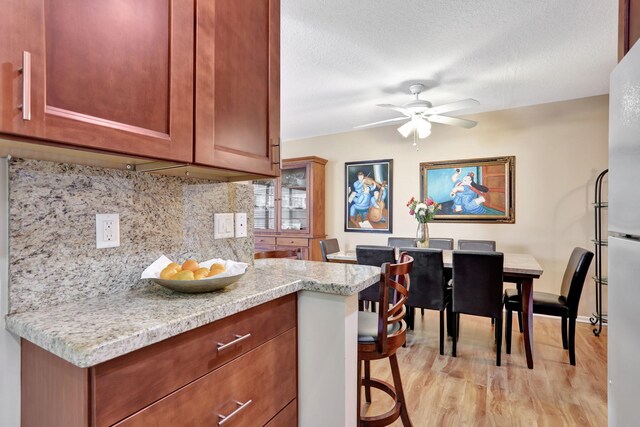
x: 598, y: 317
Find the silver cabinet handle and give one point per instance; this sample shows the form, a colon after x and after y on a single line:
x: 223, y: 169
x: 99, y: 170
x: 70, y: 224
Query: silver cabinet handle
x: 225, y: 418
x: 222, y: 346
x: 26, y: 85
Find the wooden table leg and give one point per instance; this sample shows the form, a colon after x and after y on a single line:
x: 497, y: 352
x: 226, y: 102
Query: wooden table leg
x: 527, y: 319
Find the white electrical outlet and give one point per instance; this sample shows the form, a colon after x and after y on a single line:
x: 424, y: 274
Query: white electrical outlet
x: 241, y: 224
x: 222, y: 225
x: 107, y: 231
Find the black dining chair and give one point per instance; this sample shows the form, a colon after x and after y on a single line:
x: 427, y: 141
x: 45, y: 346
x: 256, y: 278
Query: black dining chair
x: 328, y: 246
x: 376, y: 256
x: 428, y: 286
x: 441, y: 243
x: 563, y: 305
x: 401, y: 242
x: 477, y: 290
x: 484, y: 245
x: 477, y: 245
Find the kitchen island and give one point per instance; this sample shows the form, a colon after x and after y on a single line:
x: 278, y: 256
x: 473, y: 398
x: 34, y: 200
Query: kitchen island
x: 90, y: 332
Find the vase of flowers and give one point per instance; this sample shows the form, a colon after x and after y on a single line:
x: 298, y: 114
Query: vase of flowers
x: 423, y: 212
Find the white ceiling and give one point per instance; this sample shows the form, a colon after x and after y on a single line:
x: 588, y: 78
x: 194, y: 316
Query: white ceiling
x: 341, y: 57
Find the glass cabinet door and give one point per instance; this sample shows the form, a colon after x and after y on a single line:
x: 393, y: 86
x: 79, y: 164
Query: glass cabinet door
x: 264, y: 191
x: 295, y: 207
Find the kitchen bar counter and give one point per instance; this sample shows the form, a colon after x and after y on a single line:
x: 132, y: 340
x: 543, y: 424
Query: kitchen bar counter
x: 91, y: 331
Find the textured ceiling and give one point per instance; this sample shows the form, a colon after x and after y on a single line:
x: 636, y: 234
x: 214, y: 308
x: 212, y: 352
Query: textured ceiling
x: 341, y: 57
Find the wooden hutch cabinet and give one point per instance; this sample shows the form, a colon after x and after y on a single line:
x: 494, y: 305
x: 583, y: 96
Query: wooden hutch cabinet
x: 289, y: 211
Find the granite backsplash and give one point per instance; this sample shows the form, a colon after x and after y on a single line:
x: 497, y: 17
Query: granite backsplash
x: 52, y: 207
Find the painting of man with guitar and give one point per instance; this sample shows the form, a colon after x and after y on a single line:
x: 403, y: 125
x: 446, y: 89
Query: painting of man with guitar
x: 368, y: 196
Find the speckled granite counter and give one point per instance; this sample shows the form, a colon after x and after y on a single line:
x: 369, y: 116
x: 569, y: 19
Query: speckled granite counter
x: 90, y: 331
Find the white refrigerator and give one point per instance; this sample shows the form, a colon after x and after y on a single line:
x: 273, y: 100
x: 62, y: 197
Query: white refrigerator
x: 624, y: 242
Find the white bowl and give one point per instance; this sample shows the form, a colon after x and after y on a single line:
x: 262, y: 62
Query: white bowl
x: 200, y: 285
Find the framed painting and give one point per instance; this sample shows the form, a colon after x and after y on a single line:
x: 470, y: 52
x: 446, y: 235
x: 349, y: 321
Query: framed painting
x: 472, y: 190
x: 368, y: 196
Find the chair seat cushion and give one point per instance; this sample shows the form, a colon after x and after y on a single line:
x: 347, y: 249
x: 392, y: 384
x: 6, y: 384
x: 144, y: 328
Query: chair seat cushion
x: 543, y: 303
x: 368, y: 326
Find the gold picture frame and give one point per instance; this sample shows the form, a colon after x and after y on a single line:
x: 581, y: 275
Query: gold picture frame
x: 471, y: 190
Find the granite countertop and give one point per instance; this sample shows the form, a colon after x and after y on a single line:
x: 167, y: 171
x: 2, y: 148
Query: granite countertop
x: 90, y: 331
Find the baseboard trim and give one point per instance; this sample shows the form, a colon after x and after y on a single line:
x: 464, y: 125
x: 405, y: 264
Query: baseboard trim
x: 579, y: 319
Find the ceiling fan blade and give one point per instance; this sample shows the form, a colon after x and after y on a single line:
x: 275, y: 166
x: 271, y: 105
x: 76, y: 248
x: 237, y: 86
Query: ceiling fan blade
x: 453, y: 106
x: 396, y: 108
x: 397, y: 119
x: 453, y: 121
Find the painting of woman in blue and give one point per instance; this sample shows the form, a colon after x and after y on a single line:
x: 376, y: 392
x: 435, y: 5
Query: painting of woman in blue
x: 467, y: 195
x: 472, y: 190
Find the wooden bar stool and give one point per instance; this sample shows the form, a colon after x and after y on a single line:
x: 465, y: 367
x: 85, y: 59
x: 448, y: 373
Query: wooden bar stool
x: 379, y: 336
x: 294, y: 254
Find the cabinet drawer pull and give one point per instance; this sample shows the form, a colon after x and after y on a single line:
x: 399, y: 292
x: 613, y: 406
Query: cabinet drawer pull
x: 225, y: 418
x: 222, y: 346
x: 26, y: 86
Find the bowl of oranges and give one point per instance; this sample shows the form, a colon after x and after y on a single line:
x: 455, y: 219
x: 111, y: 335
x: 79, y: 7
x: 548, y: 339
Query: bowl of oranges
x: 194, y: 277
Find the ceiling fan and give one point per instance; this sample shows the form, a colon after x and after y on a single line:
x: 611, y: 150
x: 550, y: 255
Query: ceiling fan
x: 421, y: 114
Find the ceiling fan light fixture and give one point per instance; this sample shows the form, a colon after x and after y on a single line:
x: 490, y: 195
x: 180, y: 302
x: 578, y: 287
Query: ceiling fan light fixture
x: 422, y: 133
x: 406, y: 129
x: 422, y: 126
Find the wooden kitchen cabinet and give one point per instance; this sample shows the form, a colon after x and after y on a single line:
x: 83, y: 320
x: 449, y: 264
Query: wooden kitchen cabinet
x: 289, y: 211
x: 114, y: 75
x: 628, y: 25
x: 184, y: 380
x: 237, y: 117
x: 188, y: 81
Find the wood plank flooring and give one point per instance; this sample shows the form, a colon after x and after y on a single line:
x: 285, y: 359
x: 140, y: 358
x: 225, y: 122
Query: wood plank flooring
x: 471, y: 391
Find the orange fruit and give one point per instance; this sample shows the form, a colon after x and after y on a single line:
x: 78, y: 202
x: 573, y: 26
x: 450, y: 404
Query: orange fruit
x: 191, y: 265
x: 216, y: 269
x: 168, y: 272
x: 184, y: 275
x: 178, y: 267
x: 200, y: 273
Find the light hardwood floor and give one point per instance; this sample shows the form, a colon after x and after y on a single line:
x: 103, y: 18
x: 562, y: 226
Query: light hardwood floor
x: 470, y: 390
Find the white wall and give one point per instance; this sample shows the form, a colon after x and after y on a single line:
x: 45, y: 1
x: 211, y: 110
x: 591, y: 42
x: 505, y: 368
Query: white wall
x: 560, y: 148
x: 9, y: 344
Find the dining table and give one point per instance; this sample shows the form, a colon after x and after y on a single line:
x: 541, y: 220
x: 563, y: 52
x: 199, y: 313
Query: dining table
x: 518, y: 268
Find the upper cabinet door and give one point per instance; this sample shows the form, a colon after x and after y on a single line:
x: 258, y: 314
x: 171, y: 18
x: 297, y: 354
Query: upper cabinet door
x: 238, y: 85
x: 115, y: 75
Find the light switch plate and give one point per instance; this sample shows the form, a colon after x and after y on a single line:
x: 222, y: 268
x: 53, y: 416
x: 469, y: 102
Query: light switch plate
x: 107, y: 231
x: 241, y: 224
x: 222, y: 225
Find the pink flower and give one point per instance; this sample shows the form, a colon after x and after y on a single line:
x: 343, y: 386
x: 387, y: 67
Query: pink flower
x: 411, y: 212
x: 429, y: 201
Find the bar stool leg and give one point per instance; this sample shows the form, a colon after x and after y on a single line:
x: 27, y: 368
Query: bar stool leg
x: 359, y: 392
x: 367, y: 377
x: 397, y: 383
